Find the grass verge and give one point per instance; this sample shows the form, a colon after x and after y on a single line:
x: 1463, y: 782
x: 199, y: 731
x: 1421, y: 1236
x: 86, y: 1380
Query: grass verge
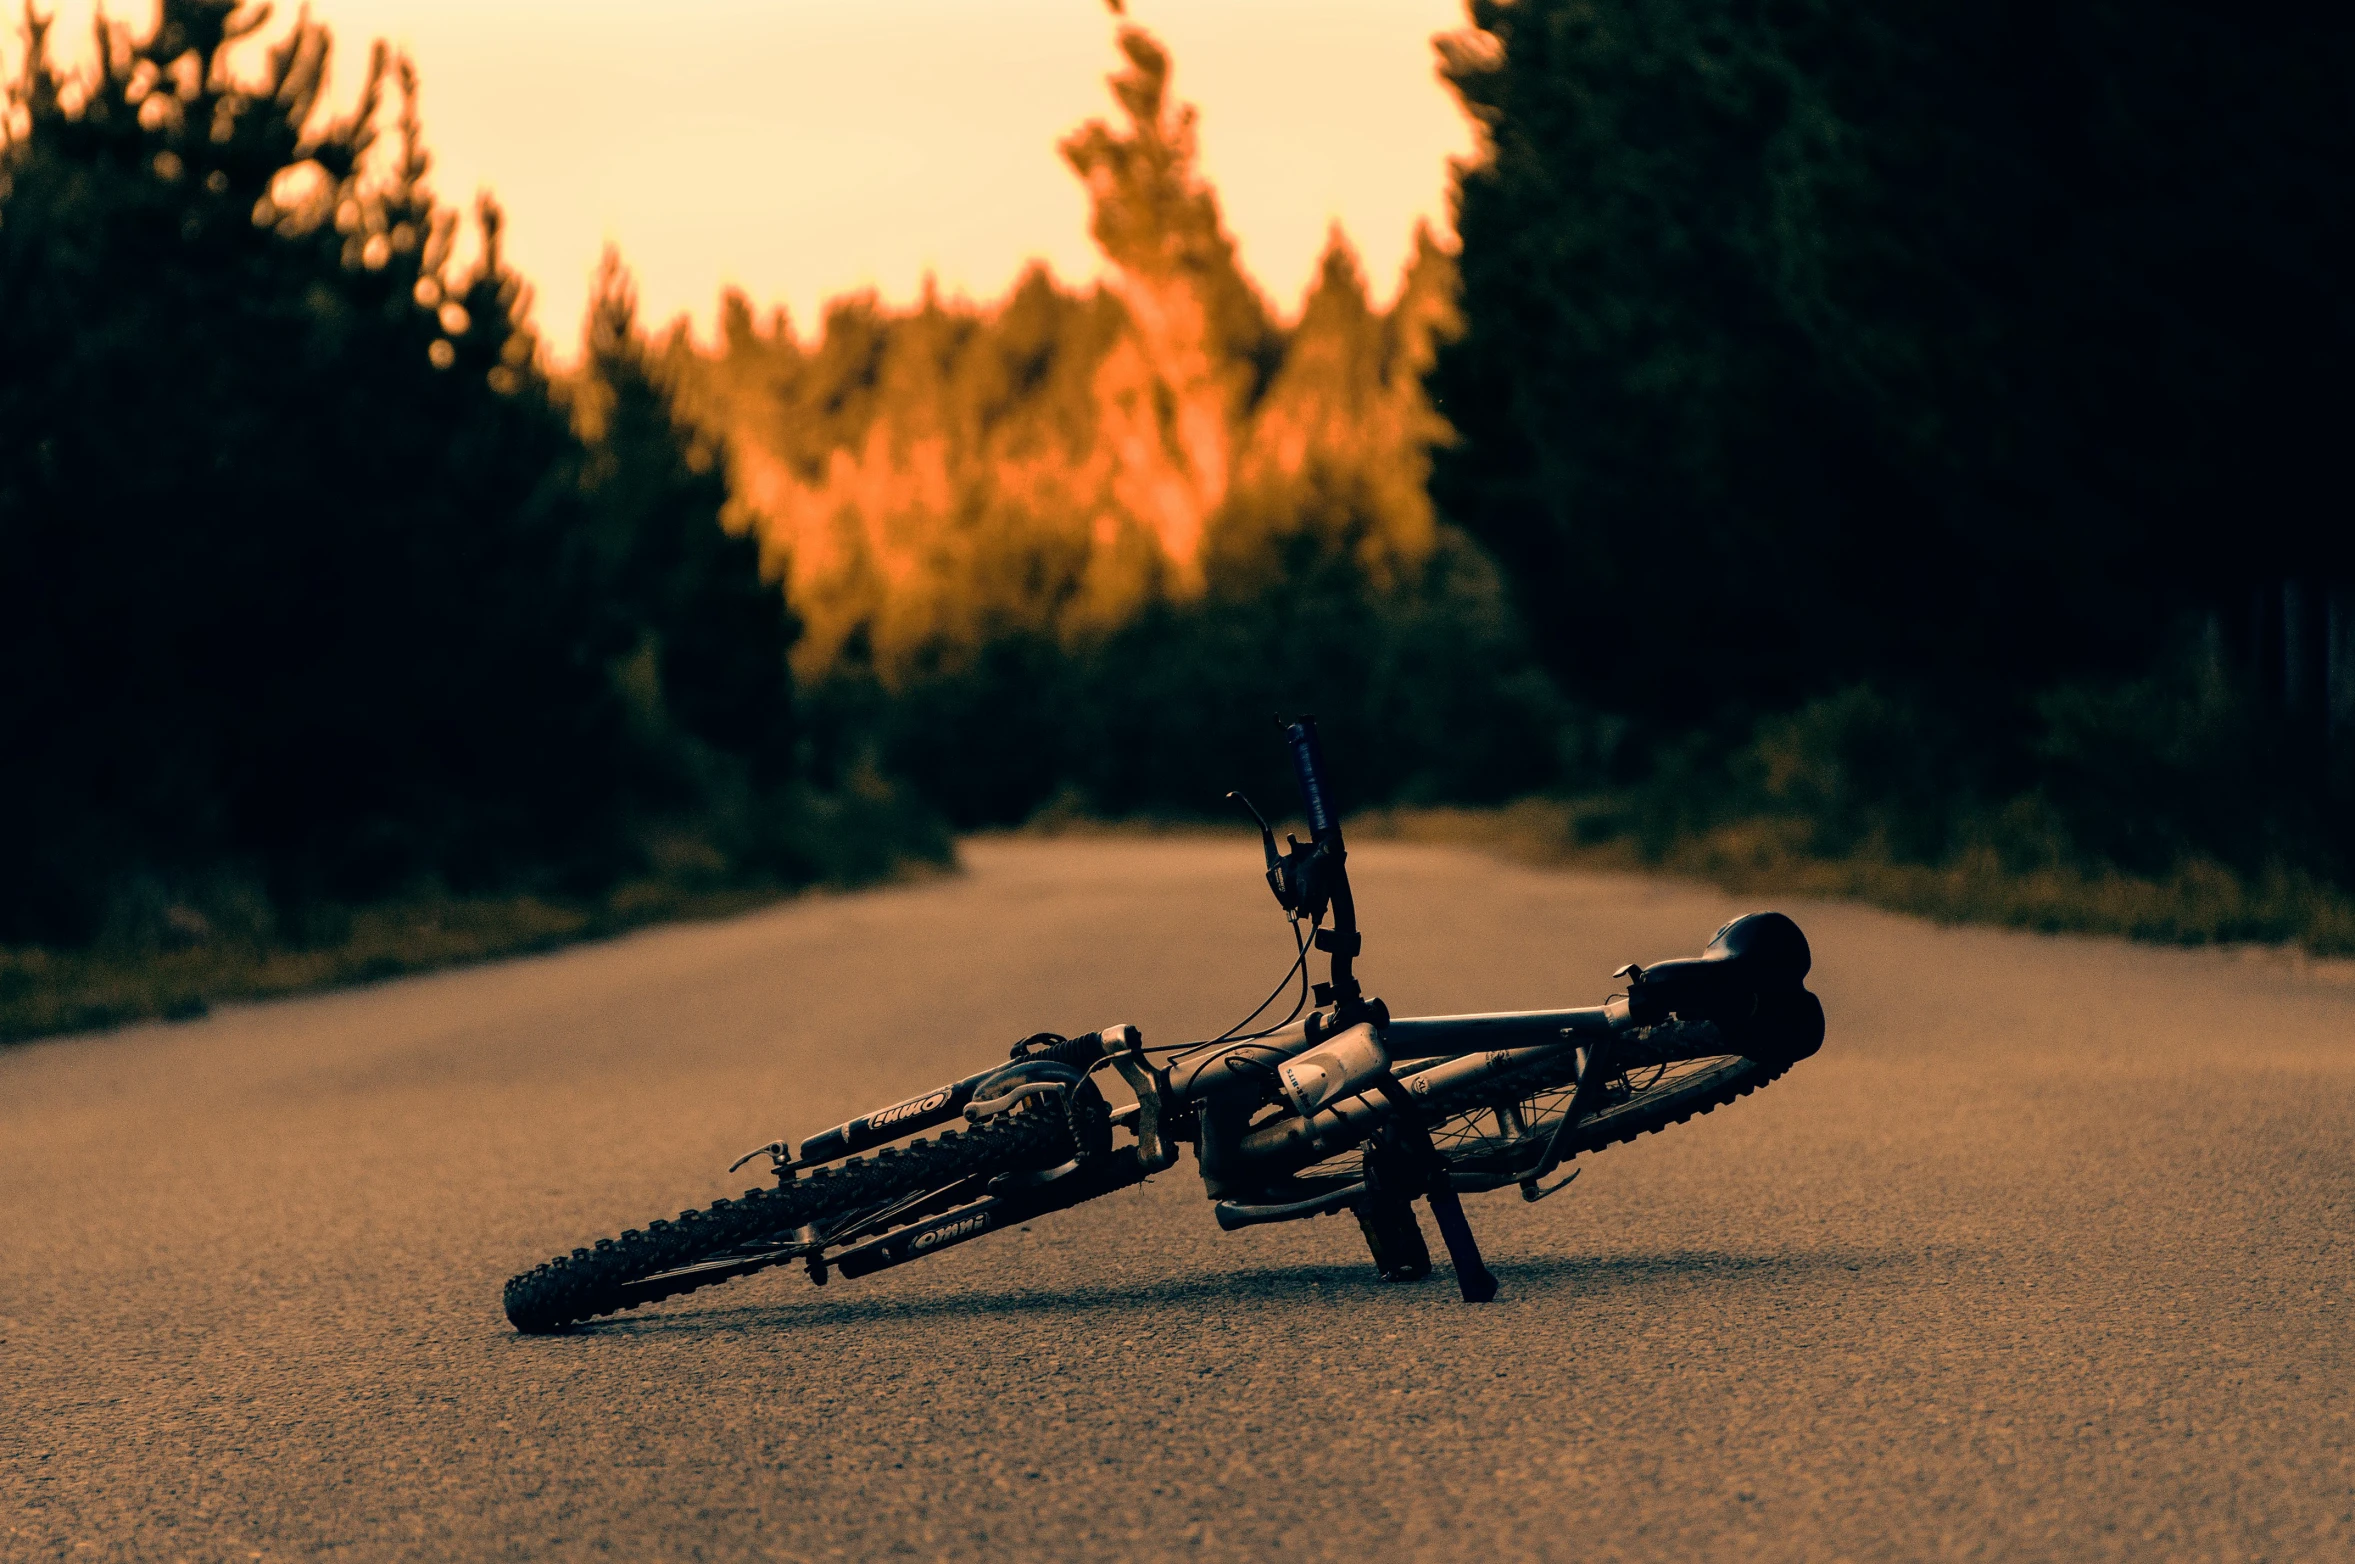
x: 44, y: 992
x: 2202, y: 903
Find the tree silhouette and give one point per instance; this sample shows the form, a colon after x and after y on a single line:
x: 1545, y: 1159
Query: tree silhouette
x: 307, y: 580
x: 1961, y: 343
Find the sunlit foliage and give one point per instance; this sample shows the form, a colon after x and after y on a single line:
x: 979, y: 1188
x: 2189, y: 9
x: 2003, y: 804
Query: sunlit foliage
x: 1057, y: 461
x: 1073, y: 548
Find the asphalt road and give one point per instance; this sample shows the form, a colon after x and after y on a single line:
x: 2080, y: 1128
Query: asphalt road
x: 2045, y: 1256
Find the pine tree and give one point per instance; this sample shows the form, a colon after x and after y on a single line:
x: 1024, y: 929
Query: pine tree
x: 713, y: 632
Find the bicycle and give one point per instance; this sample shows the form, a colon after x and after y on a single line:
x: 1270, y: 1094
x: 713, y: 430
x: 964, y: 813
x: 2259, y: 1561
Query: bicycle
x: 1343, y: 1108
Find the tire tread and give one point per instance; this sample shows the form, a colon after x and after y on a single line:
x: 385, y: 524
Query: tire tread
x: 595, y: 1281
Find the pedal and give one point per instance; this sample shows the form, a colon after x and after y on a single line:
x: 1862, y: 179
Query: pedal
x: 1394, y: 1239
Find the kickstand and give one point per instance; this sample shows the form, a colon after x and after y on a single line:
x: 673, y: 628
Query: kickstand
x: 1472, y: 1276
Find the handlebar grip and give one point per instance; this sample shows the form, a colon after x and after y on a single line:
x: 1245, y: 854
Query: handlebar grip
x: 1308, y: 761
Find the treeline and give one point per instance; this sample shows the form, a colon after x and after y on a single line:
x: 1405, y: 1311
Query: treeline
x: 1963, y: 343
x: 1926, y: 423
x: 314, y: 588
x: 1075, y: 548
x: 1911, y: 429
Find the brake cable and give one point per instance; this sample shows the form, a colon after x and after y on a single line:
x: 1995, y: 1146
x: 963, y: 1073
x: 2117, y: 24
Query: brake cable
x: 1299, y: 965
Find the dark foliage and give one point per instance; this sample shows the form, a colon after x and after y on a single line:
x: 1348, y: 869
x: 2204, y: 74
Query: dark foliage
x: 1810, y: 341
x: 309, y: 588
x: 1923, y: 420
x: 1424, y: 689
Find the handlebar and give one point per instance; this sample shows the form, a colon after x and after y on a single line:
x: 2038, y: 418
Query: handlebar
x: 1321, y: 873
x: 1749, y: 981
x: 1308, y: 764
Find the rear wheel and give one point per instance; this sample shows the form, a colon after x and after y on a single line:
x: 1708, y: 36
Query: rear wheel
x: 732, y: 1238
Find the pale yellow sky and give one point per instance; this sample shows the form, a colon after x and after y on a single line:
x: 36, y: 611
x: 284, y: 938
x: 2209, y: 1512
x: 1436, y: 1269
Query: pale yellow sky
x: 800, y: 149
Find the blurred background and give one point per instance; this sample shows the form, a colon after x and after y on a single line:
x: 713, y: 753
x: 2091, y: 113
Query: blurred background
x: 1887, y: 450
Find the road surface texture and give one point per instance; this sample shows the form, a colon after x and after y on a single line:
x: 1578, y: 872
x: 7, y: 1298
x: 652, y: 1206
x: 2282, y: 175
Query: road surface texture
x: 2045, y: 1256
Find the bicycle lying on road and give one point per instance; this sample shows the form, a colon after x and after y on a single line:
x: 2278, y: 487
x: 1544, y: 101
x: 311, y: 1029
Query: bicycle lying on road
x: 1343, y: 1108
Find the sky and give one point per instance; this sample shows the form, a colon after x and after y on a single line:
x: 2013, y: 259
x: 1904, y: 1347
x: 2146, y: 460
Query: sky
x: 800, y: 150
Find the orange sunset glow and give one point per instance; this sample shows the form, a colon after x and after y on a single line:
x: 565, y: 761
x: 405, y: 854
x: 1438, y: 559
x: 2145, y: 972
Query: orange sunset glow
x: 799, y: 150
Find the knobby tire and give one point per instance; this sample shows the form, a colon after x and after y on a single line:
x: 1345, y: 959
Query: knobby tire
x: 609, y: 1277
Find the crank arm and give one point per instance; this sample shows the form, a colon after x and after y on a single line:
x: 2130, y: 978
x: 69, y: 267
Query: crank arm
x: 1293, y: 1142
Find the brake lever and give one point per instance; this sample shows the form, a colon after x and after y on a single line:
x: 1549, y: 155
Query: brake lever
x: 1310, y: 867
x: 1279, y: 871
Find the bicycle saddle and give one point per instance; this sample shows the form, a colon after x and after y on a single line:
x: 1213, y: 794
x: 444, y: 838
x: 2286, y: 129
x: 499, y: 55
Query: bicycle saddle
x: 1749, y: 980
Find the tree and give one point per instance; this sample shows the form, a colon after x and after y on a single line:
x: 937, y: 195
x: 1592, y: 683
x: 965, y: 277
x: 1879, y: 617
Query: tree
x: 307, y: 580
x: 1806, y: 340
x: 708, y: 667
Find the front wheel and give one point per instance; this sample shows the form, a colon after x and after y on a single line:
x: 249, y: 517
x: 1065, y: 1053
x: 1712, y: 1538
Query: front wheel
x: 1523, y: 1137
x: 732, y: 1238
